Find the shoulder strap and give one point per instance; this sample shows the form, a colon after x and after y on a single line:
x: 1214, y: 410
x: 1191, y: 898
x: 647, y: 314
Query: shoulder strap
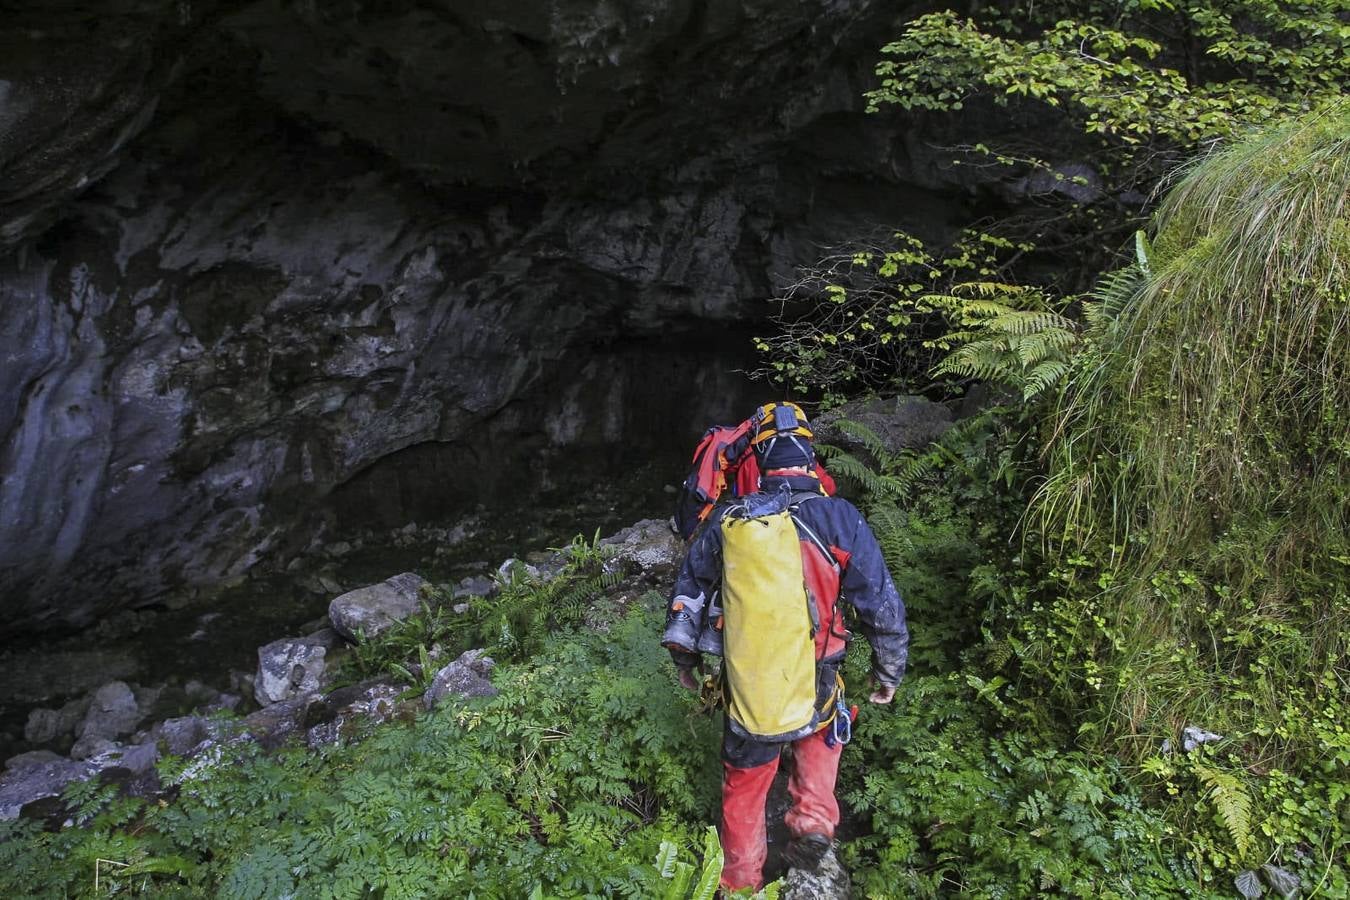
x: 815, y: 538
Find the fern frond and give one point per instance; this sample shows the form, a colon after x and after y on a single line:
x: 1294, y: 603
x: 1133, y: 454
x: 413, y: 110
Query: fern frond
x: 987, y: 361
x: 1043, y: 377
x: 872, y: 482
x: 989, y: 289
x: 871, y: 441
x: 1028, y: 322
x: 915, y: 469
x: 1233, y: 805
x: 985, y: 309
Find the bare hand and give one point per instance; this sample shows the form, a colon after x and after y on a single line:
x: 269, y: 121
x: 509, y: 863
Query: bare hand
x: 882, y: 695
x: 688, y: 680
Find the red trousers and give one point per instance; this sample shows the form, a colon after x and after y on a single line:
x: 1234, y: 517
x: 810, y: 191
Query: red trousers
x: 815, y: 768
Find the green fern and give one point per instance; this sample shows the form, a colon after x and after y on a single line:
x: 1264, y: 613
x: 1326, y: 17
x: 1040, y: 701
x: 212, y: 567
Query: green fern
x: 1232, y: 804
x: 889, y: 525
x: 1015, y: 340
x: 873, y: 483
x: 870, y: 440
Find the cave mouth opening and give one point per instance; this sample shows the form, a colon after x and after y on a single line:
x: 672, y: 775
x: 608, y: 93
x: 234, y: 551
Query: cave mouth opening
x: 594, y: 447
x: 613, y: 433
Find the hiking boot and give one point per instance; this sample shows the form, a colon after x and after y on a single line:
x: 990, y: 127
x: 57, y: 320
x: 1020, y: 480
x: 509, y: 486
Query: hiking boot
x: 807, y: 851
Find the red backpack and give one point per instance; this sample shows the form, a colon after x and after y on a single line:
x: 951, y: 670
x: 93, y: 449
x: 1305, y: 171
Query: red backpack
x: 723, y: 457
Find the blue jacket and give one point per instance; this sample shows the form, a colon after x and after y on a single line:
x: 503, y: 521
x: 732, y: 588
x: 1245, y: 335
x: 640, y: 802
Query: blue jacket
x: 836, y: 527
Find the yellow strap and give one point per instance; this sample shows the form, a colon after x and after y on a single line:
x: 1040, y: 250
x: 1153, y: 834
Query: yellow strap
x: 830, y: 704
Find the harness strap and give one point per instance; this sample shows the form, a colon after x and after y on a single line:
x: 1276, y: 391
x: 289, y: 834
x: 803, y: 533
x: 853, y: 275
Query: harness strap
x: 817, y: 543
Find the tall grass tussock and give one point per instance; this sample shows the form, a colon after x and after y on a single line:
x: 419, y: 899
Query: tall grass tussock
x: 1199, y: 462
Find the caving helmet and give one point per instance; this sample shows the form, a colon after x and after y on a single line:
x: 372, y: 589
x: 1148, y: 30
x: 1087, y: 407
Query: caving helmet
x: 781, y: 437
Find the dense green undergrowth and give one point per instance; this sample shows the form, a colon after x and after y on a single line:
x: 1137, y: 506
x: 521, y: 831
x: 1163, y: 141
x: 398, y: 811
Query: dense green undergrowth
x: 1170, y: 610
x: 569, y: 780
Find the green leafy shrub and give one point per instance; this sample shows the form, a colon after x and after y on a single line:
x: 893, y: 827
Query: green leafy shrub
x: 865, y: 317
x: 1126, y: 91
x: 962, y: 799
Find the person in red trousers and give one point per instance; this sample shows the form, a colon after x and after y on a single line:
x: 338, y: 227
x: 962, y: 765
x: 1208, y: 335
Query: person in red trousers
x: 841, y: 560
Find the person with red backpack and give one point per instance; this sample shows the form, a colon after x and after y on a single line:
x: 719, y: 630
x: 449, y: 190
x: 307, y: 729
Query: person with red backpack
x: 723, y: 460
x: 760, y: 586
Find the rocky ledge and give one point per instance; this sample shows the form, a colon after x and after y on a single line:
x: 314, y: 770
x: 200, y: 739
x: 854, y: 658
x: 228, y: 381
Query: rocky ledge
x: 119, y: 731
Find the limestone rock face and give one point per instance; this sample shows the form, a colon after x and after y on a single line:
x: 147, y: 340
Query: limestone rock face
x: 75, y: 91
x: 263, y: 263
x: 372, y: 609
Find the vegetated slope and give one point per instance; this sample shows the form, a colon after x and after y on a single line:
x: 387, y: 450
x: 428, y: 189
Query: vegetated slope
x: 1196, y: 513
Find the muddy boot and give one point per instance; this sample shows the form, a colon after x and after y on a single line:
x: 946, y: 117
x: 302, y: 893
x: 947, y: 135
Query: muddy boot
x: 806, y: 852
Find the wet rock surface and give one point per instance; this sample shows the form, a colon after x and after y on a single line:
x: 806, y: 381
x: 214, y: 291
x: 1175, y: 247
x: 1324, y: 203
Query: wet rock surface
x: 33, y: 678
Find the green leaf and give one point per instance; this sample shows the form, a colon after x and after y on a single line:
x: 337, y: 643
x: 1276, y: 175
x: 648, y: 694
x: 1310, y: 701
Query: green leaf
x: 713, y: 860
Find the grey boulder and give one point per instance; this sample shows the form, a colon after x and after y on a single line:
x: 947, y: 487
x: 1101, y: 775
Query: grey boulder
x: 42, y: 779
x: 287, y: 668
x: 180, y: 736
x: 136, y: 758
x: 649, y: 544
x: 113, y: 712
x: 465, y: 677
x: 31, y: 758
x: 372, y: 609
x: 475, y: 586
x: 47, y: 725
x: 273, y: 725
x: 828, y: 881
x: 92, y: 745
x: 899, y: 423
x: 347, y: 711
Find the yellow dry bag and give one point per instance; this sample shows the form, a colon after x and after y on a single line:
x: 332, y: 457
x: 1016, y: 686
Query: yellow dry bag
x: 768, y: 649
